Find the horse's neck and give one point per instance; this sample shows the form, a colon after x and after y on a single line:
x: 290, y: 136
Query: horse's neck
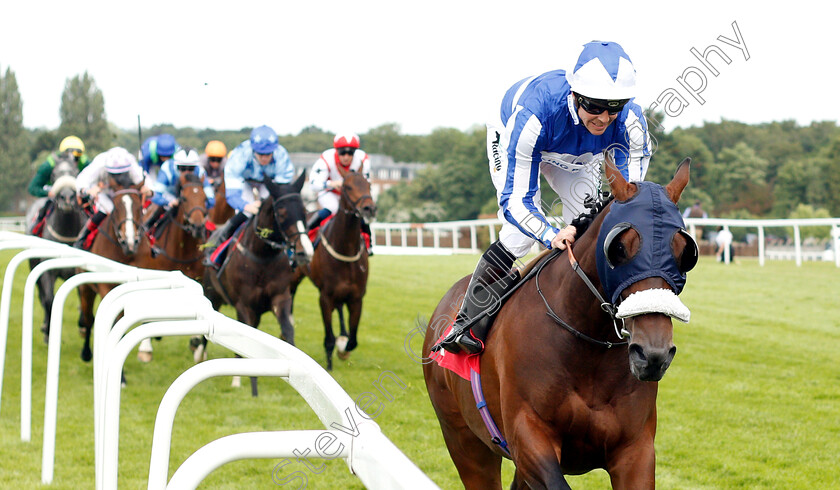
x: 344, y: 231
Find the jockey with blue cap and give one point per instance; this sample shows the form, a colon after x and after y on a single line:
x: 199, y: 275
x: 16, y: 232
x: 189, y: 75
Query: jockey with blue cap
x: 557, y: 124
x: 156, y: 150
x: 252, y: 161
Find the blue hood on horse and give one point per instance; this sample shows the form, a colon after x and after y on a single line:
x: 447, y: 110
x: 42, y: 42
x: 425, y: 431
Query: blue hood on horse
x: 656, y: 219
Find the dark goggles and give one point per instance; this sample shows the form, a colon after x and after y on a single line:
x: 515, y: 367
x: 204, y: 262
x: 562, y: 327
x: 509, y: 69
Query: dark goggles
x: 215, y: 159
x: 598, y: 106
x: 346, y: 151
x: 185, y: 168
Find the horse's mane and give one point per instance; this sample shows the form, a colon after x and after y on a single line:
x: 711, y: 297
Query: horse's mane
x: 593, y: 206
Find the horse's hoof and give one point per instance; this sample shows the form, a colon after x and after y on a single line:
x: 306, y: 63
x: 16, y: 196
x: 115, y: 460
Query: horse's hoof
x: 343, y: 355
x: 341, y: 343
x: 87, y: 355
x: 47, y: 338
x: 144, y: 356
x: 236, y: 383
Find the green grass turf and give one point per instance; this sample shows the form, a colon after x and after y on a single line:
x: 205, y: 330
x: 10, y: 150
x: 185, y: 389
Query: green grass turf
x: 752, y: 399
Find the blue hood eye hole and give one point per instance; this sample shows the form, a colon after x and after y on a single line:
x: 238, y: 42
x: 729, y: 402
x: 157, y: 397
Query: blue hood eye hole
x: 690, y: 253
x: 614, y: 250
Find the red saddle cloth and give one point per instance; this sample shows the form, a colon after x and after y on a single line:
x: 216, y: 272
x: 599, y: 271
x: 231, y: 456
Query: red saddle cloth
x: 460, y: 363
x: 313, y: 233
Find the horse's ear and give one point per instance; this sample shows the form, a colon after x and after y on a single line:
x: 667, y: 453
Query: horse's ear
x: 620, y: 188
x: 680, y: 180
x: 361, y: 170
x: 298, y: 185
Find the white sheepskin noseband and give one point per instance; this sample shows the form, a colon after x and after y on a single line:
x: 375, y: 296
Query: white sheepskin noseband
x: 654, y: 301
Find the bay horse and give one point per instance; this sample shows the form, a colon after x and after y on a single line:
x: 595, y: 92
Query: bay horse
x: 179, y: 245
x: 339, y: 267
x: 567, y: 395
x: 62, y: 224
x: 256, y: 275
x: 120, y: 237
x: 221, y: 211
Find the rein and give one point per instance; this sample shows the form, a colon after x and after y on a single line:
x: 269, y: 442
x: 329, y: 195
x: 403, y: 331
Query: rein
x: 608, y: 308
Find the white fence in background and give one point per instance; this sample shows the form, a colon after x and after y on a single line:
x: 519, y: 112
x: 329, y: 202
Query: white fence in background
x: 181, y: 309
x: 468, y: 237
x: 458, y: 237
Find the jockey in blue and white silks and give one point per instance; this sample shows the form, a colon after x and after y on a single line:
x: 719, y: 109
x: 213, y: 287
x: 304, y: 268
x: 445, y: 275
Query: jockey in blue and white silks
x: 248, y: 165
x: 543, y: 134
x: 186, y: 160
x: 243, y: 166
x: 558, y: 125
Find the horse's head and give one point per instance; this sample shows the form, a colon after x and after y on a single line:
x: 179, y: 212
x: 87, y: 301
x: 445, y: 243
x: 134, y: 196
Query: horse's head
x: 643, y: 254
x: 126, y: 218
x: 192, y: 207
x: 64, y: 168
x: 290, y: 216
x: 64, y: 189
x: 356, y: 191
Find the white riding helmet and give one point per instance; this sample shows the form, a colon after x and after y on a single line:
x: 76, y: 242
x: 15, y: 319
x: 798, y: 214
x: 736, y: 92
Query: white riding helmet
x: 603, y: 71
x: 186, y: 157
x: 118, y: 160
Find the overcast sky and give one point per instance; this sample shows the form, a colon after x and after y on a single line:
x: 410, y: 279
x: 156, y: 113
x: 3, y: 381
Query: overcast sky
x: 352, y: 66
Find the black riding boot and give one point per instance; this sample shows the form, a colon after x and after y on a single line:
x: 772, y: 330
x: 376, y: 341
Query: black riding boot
x: 492, y: 277
x: 220, y: 235
x: 154, y: 217
x: 42, y: 213
x: 92, y: 223
x: 315, y: 220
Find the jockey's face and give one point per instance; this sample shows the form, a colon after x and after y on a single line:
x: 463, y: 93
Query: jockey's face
x: 345, y: 155
x: 263, y: 159
x: 596, y: 123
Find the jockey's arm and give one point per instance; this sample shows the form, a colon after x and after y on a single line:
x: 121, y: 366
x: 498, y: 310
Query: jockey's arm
x: 319, y: 177
x: 516, y: 200
x: 40, y: 183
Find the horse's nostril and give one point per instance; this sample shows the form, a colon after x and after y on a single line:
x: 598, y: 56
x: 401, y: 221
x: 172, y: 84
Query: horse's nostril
x: 637, y: 352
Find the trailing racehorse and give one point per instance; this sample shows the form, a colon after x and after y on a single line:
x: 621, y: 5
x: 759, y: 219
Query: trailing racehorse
x: 256, y: 275
x: 339, y: 268
x: 121, y: 238
x: 221, y: 211
x: 570, y: 379
x: 183, y: 231
x: 63, y: 222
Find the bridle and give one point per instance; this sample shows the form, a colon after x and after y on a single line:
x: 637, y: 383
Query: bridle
x: 608, y: 307
x: 354, y: 205
x: 287, y: 242
x: 186, y: 225
x: 119, y: 239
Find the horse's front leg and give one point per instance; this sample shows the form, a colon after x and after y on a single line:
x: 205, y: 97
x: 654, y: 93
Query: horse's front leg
x: 282, y: 308
x: 535, y: 454
x: 633, y: 466
x: 327, y: 308
x: 355, y: 308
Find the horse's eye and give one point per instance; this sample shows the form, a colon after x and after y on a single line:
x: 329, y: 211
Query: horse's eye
x: 614, y: 248
x: 687, y: 258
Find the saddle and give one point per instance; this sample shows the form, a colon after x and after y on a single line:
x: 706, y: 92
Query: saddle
x: 462, y: 362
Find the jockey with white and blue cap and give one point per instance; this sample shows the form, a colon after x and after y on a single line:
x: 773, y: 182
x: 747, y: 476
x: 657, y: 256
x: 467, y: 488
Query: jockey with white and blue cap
x: 557, y: 125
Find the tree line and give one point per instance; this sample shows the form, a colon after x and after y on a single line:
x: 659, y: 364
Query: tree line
x: 768, y: 170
